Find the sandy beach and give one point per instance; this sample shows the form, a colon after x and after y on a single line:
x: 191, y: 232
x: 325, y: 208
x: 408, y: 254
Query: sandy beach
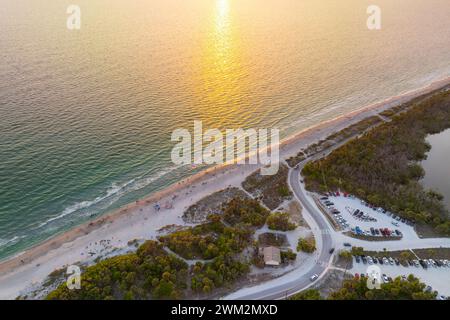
x: 140, y: 220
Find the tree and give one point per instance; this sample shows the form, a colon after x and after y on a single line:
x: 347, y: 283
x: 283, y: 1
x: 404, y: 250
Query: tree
x: 306, y: 245
x: 382, y: 166
x: 310, y: 294
x: 406, y: 255
x: 345, y: 254
x: 398, y: 289
x: 357, y: 251
x: 280, y: 221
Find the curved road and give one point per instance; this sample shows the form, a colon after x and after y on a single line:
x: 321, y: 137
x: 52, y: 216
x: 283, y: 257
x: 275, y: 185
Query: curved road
x: 321, y: 231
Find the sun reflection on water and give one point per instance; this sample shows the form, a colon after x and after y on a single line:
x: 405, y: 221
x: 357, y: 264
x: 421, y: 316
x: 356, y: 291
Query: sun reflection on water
x: 220, y: 80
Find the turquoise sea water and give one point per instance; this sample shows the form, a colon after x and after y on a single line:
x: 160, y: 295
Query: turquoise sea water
x: 86, y: 116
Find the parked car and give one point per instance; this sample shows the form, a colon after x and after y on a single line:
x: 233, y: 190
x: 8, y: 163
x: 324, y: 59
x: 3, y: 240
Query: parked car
x: 433, y: 263
x: 358, y: 259
x: 346, y: 244
x: 385, y: 278
x: 423, y: 264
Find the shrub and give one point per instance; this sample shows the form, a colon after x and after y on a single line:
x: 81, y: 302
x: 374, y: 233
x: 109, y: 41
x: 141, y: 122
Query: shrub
x: 280, y: 221
x: 306, y: 245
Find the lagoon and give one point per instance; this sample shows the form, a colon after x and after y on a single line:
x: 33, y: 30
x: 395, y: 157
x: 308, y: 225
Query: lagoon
x: 437, y: 165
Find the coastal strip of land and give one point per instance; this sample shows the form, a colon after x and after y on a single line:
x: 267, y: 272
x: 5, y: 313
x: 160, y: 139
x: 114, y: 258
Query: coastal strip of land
x: 140, y: 220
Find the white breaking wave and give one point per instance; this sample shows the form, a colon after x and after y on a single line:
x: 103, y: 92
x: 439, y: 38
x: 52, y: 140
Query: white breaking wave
x: 13, y: 240
x: 114, y: 192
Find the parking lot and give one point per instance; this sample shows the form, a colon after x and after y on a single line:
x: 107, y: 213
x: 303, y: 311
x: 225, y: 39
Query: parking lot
x: 435, y: 276
x: 356, y: 216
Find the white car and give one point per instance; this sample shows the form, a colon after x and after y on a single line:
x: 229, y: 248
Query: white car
x: 314, y: 277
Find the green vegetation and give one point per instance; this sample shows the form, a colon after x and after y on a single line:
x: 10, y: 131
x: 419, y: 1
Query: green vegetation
x: 357, y: 251
x: 55, y: 276
x: 223, y: 270
x: 148, y: 273
x: 433, y: 253
x: 306, y: 245
x: 280, y: 221
x: 208, y: 240
x: 272, y: 239
x: 406, y: 255
x: 272, y: 189
x: 356, y: 289
x: 345, y: 254
x: 382, y: 166
x: 212, y: 204
x: 310, y: 294
x: 245, y: 211
x: 333, y: 139
x: 152, y: 273
x: 287, y: 256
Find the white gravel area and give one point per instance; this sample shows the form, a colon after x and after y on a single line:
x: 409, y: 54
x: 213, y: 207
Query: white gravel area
x: 347, y: 205
x: 437, y: 278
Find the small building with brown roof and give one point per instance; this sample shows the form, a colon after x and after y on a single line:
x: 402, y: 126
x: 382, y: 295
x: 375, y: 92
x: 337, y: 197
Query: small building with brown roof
x: 272, y: 256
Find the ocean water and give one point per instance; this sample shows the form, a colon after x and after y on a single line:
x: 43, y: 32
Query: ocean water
x: 86, y: 116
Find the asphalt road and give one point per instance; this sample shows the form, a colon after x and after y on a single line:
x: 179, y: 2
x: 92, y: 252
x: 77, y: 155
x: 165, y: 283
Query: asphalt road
x: 321, y: 230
